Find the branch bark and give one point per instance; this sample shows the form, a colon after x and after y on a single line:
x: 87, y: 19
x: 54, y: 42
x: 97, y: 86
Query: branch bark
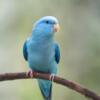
x: 72, y: 85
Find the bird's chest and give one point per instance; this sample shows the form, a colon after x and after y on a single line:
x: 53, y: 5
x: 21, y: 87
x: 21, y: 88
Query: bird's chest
x: 40, y: 54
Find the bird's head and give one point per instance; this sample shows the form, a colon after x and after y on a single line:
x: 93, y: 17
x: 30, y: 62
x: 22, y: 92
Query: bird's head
x: 47, y: 25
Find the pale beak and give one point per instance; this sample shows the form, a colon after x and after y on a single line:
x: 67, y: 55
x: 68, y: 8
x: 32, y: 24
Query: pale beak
x: 56, y: 27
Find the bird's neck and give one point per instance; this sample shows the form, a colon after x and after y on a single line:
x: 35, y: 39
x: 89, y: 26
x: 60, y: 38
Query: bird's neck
x: 40, y: 37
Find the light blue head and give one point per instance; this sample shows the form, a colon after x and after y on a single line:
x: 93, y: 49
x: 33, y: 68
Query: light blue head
x: 47, y: 26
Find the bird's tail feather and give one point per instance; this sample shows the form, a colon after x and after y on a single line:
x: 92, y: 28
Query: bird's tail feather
x: 46, y: 89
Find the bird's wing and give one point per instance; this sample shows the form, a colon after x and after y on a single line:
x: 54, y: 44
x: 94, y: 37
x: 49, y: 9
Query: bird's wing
x: 57, y: 53
x: 25, y: 53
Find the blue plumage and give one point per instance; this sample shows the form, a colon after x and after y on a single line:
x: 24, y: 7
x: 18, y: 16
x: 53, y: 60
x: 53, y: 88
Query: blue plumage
x: 57, y: 53
x: 42, y: 53
x: 25, y: 53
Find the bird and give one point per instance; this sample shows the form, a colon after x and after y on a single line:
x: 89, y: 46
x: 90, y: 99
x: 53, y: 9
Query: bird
x: 42, y: 52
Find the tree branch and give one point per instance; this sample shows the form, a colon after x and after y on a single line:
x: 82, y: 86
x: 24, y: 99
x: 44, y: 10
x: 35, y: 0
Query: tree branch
x: 72, y: 85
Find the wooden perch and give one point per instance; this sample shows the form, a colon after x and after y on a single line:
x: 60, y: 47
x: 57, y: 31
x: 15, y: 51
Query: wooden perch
x: 72, y: 85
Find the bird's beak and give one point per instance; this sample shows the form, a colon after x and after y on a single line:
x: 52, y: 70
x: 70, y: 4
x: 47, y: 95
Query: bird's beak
x: 56, y: 27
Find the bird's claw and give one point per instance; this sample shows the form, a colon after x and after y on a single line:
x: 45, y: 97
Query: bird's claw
x: 52, y: 77
x: 30, y: 73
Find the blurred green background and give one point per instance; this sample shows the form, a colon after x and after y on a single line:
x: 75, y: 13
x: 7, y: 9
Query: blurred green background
x: 79, y: 39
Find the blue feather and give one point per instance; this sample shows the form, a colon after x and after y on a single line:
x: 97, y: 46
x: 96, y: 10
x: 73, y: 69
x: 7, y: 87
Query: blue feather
x: 57, y: 53
x: 25, y: 53
x: 46, y: 88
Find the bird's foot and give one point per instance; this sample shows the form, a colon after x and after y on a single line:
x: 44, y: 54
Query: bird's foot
x: 30, y: 73
x: 52, y: 77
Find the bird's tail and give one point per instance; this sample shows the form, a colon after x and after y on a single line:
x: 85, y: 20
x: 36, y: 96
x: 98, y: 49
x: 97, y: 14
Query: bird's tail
x: 46, y: 88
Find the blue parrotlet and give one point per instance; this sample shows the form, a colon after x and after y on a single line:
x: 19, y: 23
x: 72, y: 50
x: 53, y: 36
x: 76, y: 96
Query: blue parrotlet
x: 42, y: 53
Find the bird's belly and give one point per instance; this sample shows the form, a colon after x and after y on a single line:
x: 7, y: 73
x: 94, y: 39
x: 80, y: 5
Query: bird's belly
x: 40, y: 61
x: 40, y: 56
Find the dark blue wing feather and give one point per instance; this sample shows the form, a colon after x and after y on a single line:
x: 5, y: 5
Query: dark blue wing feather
x: 57, y: 53
x: 25, y: 53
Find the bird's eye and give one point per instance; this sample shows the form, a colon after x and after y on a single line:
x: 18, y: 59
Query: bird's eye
x: 47, y: 21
